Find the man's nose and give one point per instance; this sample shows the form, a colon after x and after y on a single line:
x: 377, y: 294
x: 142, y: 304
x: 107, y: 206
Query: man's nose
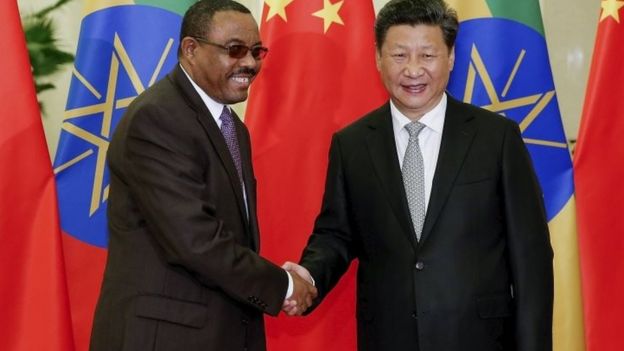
x: 413, y: 67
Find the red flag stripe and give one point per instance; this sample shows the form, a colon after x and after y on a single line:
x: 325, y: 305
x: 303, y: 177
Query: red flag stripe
x: 599, y: 170
x: 313, y: 82
x: 33, y: 301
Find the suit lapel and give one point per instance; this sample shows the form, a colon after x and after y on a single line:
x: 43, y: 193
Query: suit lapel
x: 457, y: 137
x: 249, y: 180
x: 214, y: 133
x: 382, y: 148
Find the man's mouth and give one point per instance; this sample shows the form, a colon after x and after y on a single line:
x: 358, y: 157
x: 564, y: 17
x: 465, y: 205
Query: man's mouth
x: 414, y: 88
x: 243, y: 76
x: 245, y: 80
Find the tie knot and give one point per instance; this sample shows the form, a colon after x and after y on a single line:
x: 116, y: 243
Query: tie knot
x: 414, y: 128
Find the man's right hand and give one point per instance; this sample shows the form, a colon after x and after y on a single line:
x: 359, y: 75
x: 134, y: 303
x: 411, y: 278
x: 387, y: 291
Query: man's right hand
x: 304, y: 291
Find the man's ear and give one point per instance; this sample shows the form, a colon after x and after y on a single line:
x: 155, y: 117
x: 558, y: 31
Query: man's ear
x: 452, y: 58
x: 188, y: 45
x: 378, y: 59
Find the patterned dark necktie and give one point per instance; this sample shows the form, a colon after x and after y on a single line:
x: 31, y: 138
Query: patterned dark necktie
x: 414, y: 177
x: 229, y: 133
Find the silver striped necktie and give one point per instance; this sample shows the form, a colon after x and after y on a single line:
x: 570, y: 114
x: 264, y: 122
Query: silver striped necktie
x: 414, y: 177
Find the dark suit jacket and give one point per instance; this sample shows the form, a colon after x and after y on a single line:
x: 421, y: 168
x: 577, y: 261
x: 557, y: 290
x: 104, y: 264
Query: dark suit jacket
x: 485, y: 234
x: 183, y: 271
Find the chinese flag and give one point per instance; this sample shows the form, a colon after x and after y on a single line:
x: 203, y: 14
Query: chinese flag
x: 599, y: 170
x: 319, y: 76
x: 34, y: 311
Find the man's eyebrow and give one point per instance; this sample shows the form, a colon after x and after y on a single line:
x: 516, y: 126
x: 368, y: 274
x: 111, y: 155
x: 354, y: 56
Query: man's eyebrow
x: 240, y: 41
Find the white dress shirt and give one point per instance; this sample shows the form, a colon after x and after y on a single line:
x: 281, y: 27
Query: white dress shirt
x: 214, y: 107
x: 429, y: 139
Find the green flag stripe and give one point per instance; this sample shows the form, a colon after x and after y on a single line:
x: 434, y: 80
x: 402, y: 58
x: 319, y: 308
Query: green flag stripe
x: 178, y: 6
x: 524, y: 11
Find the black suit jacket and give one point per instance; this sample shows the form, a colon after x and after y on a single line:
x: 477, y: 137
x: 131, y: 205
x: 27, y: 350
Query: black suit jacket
x: 183, y: 271
x: 481, y: 276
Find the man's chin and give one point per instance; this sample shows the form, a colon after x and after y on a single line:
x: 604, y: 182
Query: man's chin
x: 236, y: 98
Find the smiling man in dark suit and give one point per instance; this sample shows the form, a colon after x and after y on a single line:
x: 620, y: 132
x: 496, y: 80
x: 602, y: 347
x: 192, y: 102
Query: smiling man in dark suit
x: 183, y: 270
x: 439, y: 202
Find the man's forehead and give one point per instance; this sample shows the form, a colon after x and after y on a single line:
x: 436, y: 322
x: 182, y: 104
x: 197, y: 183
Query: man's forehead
x: 233, y: 23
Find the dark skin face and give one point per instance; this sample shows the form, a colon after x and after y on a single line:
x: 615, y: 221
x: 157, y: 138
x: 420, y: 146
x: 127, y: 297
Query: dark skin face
x: 223, y: 78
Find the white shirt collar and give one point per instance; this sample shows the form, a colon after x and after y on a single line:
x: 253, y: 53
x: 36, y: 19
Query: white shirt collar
x: 215, y: 108
x: 433, y: 120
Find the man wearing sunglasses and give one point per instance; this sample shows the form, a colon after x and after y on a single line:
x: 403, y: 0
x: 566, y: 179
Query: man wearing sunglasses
x: 183, y: 270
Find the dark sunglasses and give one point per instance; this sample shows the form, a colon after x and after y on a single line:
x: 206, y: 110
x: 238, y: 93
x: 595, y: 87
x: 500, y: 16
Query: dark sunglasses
x: 238, y: 51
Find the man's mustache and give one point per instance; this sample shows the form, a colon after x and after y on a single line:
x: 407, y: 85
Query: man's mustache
x: 247, y: 71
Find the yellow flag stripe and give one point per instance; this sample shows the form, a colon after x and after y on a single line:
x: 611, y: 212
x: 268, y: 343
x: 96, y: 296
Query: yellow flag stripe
x: 95, y: 5
x: 470, y: 9
x: 568, y: 327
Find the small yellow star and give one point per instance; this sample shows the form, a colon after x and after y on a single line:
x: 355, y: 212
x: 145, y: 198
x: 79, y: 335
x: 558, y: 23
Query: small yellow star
x: 611, y: 8
x: 329, y: 14
x: 277, y: 7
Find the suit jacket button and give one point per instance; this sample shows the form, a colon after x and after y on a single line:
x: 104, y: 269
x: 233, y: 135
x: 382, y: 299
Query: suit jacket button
x: 420, y: 266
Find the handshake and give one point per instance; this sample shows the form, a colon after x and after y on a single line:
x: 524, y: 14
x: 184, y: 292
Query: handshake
x: 303, y: 292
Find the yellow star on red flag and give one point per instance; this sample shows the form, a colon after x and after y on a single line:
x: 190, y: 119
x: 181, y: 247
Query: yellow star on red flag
x: 611, y: 8
x: 277, y: 7
x: 329, y: 14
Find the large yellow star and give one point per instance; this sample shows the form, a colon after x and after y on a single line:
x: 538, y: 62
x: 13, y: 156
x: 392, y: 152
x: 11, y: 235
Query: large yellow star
x: 611, y: 8
x: 110, y: 102
x: 499, y: 102
x: 329, y: 14
x: 277, y: 7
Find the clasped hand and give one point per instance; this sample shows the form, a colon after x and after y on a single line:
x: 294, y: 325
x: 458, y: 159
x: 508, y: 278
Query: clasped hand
x: 304, y: 291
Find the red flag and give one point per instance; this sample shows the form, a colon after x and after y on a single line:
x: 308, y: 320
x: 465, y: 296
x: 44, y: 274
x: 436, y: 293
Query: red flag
x: 319, y: 76
x: 34, y: 313
x: 599, y: 170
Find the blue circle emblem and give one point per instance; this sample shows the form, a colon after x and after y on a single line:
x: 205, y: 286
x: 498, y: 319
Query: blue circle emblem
x: 122, y: 51
x: 503, y: 65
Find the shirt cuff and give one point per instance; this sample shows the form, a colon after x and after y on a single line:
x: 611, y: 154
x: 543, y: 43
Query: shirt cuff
x: 289, y: 292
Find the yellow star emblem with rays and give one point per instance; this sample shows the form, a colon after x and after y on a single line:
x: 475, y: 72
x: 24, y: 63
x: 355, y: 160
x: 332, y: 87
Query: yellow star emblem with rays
x: 499, y: 104
x: 329, y: 14
x: 109, y: 103
x: 277, y: 7
x: 611, y: 8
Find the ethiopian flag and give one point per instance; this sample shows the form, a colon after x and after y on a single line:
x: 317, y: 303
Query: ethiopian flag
x: 124, y: 47
x: 501, y: 64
